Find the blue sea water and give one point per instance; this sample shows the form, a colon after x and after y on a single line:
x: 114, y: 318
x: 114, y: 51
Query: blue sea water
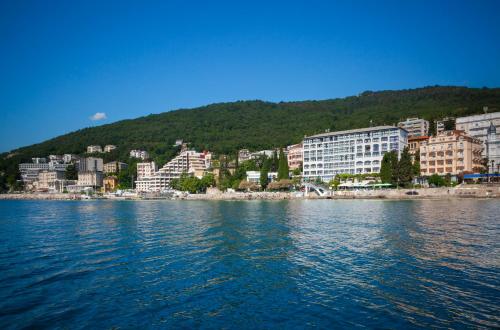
x: 252, y: 264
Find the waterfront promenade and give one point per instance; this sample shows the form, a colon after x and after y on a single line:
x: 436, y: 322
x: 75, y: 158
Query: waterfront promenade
x: 461, y: 191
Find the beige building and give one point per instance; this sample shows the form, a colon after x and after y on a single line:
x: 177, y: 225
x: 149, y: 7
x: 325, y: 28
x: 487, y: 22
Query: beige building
x: 452, y: 152
x: 90, y: 179
x: 295, y: 156
x: 93, y: 149
x: 110, y: 183
x: 109, y: 148
x: 47, y: 180
x: 243, y: 155
x: 114, y: 167
x: 188, y: 161
x: 146, y: 169
x: 415, y: 126
x: 414, y: 144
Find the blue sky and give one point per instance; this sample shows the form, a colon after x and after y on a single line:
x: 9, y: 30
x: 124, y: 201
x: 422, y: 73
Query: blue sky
x: 62, y: 62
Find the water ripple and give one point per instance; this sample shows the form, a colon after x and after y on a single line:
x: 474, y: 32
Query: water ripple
x: 255, y: 264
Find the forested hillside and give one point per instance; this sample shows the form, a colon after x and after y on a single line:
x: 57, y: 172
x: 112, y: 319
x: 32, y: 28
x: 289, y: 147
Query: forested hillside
x: 227, y: 127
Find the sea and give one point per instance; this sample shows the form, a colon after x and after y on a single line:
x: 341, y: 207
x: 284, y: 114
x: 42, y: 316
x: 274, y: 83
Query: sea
x: 298, y: 264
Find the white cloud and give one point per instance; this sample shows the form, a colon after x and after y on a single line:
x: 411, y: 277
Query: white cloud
x: 98, y: 116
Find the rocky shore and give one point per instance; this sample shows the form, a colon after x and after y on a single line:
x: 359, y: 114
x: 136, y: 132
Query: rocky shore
x: 463, y: 191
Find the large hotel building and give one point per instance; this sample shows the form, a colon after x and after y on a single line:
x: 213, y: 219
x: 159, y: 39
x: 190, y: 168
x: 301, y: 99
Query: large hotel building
x: 353, y: 151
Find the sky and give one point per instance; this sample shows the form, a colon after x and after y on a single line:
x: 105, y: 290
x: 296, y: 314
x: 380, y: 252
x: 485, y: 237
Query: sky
x: 66, y: 65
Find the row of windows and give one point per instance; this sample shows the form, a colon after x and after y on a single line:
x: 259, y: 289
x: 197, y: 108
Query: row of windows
x: 343, y: 170
x: 375, y: 134
x: 308, y: 145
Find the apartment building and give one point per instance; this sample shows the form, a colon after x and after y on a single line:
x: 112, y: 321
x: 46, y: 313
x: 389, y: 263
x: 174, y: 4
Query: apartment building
x: 109, y: 148
x: 110, y: 183
x: 352, y: 151
x: 90, y: 179
x: 254, y: 176
x: 156, y: 182
x: 477, y: 126
x: 94, y: 149
x: 243, y: 155
x: 114, y: 167
x: 30, y: 171
x: 142, y: 154
x: 90, y: 164
x: 414, y: 144
x: 441, y: 124
x: 294, y: 156
x: 146, y: 169
x: 493, y: 147
x: 188, y: 161
x: 69, y: 158
x: 47, y: 180
x: 452, y: 152
x: 415, y: 127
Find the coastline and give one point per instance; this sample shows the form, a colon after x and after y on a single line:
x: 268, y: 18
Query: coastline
x: 465, y: 191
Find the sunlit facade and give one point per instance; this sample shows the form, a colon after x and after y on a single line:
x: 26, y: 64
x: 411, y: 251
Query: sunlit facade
x: 354, y: 151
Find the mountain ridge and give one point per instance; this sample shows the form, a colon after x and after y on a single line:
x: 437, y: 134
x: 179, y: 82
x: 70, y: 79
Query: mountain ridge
x: 228, y: 126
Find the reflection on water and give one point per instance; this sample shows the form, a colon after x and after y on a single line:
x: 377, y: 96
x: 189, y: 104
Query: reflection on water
x: 286, y: 264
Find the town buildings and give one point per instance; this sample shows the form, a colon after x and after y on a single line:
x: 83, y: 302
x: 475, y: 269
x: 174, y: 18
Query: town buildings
x: 415, y: 127
x: 477, y: 126
x: 445, y: 124
x: 243, y: 155
x: 139, y: 154
x: 187, y: 161
x: 90, y: 172
x: 90, y: 164
x: 352, y: 151
x: 90, y: 179
x: 146, y: 169
x: 493, y: 148
x: 294, y: 156
x: 110, y: 183
x: 262, y: 153
x: 94, y: 149
x: 47, y: 181
x: 30, y: 171
x: 414, y: 144
x: 109, y: 148
x: 254, y: 176
x: 114, y: 167
x: 69, y: 158
x: 450, y: 152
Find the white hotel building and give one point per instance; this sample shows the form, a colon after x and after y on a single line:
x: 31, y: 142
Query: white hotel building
x: 354, y: 151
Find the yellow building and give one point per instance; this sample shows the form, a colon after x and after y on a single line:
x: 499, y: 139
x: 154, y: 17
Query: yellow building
x: 110, y: 183
x: 452, y: 152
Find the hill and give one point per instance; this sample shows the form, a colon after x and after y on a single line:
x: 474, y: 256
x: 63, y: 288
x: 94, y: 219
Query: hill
x: 227, y: 127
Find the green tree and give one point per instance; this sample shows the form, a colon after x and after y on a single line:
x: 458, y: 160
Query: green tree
x: 264, y: 173
x: 436, y: 181
x: 71, y: 172
x: 207, y: 181
x: 386, y: 169
x: 432, y: 127
x: 274, y: 162
x: 283, y: 171
x: 449, y: 124
x: 394, y: 168
x: 416, y: 164
x: 405, y: 168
